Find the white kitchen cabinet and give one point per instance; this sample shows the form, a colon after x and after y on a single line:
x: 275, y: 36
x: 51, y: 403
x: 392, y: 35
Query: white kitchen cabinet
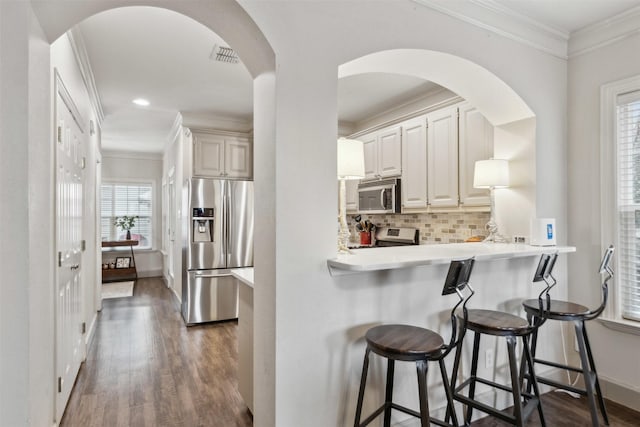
x: 414, y: 163
x: 222, y: 155
x: 476, y: 143
x: 442, y: 157
x: 382, y: 153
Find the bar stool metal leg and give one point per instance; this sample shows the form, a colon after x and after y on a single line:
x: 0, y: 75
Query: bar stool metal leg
x: 388, y: 393
x: 589, y: 380
x: 451, y: 410
x: 363, y: 383
x: 474, y: 371
x: 515, y: 381
x: 603, y: 409
x: 533, y: 382
x: 421, y: 367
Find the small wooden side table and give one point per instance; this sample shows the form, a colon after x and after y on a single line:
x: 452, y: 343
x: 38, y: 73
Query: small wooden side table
x: 120, y: 274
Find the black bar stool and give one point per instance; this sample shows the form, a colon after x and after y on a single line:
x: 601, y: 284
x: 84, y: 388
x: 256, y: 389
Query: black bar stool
x: 578, y: 314
x: 500, y: 324
x: 413, y: 344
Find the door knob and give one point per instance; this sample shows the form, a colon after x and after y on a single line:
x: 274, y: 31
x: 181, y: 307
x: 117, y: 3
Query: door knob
x: 75, y: 266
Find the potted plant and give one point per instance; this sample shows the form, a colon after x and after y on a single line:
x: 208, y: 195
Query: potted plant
x: 126, y: 223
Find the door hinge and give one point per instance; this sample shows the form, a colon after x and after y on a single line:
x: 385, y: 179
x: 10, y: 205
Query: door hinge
x: 59, y: 259
x: 59, y: 384
x: 84, y: 328
x: 59, y: 134
x: 83, y: 245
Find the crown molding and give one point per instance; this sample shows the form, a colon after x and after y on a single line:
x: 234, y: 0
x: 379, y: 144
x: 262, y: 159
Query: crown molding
x: 82, y: 58
x: 603, y: 33
x: 116, y: 154
x: 214, y: 121
x: 491, y: 16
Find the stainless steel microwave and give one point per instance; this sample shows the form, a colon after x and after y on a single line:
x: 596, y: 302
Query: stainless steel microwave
x: 379, y: 196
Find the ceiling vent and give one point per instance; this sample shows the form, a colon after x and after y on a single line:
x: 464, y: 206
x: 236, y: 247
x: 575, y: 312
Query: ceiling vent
x: 224, y: 54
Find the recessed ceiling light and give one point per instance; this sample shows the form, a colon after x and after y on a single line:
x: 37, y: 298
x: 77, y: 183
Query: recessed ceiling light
x: 141, y: 102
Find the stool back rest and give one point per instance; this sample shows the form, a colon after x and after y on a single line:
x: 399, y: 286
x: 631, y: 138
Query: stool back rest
x: 456, y: 282
x: 605, y: 268
x: 544, y: 273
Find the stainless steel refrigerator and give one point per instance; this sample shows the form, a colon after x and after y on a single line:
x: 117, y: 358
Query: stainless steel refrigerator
x: 217, y: 236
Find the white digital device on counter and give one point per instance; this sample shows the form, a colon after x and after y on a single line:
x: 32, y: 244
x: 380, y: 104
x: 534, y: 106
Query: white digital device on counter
x: 543, y: 232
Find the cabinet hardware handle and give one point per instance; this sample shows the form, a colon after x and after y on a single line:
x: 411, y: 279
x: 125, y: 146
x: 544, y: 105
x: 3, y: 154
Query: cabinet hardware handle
x: 75, y: 266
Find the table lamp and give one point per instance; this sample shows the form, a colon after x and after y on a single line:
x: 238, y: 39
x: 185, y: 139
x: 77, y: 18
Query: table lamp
x: 350, y: 166
x: 492, y: 174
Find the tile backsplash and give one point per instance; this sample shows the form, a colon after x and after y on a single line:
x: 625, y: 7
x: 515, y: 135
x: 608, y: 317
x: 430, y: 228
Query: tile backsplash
x: 434, y: 227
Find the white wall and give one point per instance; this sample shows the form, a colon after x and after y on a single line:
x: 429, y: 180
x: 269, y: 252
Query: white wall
x: 587, y: 73
x: 137, y: 167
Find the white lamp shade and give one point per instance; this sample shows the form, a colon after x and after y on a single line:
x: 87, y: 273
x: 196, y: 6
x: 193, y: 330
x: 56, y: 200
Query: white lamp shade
x: 350, y: 159
x: 491, y: 173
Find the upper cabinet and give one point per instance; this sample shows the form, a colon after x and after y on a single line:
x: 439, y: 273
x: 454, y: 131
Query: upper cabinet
x: 222, y: 155
x: 382, y: 153
x: 476, y: 143
x: 442, y: 155
x: 414, y: 163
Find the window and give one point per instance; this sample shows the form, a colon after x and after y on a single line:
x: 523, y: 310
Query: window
x: 628, y: 204
x: 132, y: 199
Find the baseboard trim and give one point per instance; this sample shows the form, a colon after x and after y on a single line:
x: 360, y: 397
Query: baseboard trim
x: 91, y: 331
x: 626, y: 395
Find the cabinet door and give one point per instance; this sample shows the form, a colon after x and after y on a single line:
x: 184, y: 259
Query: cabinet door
x: 442, y: 148
x: 238, y: 156
x: 476, y: 143
x: 390, y: 152
x: 370, y: 145
x: 352, y: 195
x: 208, y: 155
x: 414, y: 163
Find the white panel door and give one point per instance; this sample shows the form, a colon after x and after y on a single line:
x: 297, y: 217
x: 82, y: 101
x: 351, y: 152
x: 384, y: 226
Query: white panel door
x: 370, y: 146
x: 443, y: 157
x: 390, y: 152
x: 208, y: 155
x: 476, y: 143
x: 414, y: 163
x: 69, y: 140
x: 238, y: 156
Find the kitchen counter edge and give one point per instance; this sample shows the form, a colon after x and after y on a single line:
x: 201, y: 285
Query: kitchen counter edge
x: 245, y: 275
x: 376, y: 259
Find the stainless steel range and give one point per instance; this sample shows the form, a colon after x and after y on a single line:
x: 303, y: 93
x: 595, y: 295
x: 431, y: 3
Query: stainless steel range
x: 394, y: 236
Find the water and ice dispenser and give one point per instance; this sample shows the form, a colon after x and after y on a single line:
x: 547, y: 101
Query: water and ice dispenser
x: 202, y: 225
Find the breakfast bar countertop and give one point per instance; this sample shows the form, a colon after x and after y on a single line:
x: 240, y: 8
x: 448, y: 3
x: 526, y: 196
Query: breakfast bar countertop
x: 374, y: 259
x: 245, y: 275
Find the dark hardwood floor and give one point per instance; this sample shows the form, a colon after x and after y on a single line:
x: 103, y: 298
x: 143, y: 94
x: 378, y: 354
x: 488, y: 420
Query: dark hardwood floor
x: 145, y: 368
x: 562, y: 410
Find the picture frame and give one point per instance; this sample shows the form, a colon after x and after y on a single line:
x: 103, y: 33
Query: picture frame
x: 123, y: 262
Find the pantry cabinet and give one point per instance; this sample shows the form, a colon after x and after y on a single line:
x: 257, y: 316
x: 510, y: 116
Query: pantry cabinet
x: 476, y: 143
x: 222, y: 155
x: 382, y: 153
x: 442, y: 158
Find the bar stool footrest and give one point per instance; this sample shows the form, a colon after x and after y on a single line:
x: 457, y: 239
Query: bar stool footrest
x: 492, y: 384
x: 527, y: 408
x: 401, y: 409
x: 558, y: 365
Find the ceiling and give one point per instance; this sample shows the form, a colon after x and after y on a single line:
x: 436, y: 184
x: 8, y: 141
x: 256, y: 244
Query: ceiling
x: 173, y: 69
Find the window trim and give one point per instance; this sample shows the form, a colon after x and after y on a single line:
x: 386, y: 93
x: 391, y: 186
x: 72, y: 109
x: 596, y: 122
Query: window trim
x: 612, y: 316
x: 128, y: 181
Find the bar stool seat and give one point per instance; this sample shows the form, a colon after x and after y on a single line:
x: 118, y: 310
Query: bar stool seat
x: 558, y: 310
x: 404, y: 342
x: 497, y: 323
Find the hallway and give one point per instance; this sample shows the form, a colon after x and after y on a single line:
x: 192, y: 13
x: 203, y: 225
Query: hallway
x: 145, y: 368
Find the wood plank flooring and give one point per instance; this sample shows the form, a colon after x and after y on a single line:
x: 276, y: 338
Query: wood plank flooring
x: 145, y: 368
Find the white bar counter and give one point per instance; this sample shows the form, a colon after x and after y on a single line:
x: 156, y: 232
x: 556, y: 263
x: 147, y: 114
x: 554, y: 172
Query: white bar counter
x: 245, y: 333
x: 395, y: 257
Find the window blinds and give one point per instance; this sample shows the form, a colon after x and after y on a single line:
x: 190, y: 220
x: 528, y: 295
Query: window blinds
x: 628, y: 173
x: 131, y: 200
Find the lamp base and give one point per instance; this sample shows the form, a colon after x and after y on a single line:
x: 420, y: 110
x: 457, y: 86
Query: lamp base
x: 494, y: 236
